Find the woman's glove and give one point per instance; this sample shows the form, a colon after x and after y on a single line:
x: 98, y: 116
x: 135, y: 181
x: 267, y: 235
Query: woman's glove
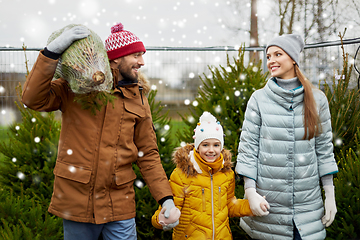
x: 256, y: 201
x: 66, y: 38
x: 330, y: 205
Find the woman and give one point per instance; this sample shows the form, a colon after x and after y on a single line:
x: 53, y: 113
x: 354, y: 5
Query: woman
x: 285, y: 149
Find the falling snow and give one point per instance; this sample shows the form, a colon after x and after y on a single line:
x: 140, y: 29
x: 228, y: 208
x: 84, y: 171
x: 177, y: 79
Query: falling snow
x: 72, y: 169
x: 138, y: 183
x: 162, y: 23
x: 338, y: 142
x: 20, y: 175
x: 69, y: 152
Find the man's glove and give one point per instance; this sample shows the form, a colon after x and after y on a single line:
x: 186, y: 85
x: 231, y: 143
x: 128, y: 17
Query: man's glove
x: 330, y: 205
x: 254, y: 200
x: 67, y: 37
x: 168, y: 205
x: 171, y: 213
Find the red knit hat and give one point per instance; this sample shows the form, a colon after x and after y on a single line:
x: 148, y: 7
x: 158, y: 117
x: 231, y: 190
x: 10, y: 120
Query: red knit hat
x: 121, y: 43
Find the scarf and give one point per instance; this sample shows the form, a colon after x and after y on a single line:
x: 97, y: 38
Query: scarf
x: 213, y: 166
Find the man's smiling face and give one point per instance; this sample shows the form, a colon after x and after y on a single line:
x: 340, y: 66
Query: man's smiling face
x: 129, y: 65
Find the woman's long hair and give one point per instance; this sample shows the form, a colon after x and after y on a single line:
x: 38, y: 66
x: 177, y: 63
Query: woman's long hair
x: 311, y: 117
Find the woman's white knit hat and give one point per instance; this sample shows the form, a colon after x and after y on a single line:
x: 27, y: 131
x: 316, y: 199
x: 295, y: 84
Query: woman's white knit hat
x: 208, y: 127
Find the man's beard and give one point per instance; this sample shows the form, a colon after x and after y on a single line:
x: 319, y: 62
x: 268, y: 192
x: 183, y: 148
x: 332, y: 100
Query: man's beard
x: 129, y: 76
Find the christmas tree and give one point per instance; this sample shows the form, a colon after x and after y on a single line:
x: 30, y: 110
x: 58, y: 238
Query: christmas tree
x: 347, y: 194
x: 145, y: 203
x: 26, y: 177
x: 344, y: 106
x: 30, y: 153
x: 225, y: 94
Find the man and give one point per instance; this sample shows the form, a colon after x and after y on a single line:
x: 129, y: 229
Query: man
x: 93, y: 188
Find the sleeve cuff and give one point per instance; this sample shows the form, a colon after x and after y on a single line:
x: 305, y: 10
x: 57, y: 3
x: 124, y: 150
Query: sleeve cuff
x: 161, y: 201
x: 51, y: 55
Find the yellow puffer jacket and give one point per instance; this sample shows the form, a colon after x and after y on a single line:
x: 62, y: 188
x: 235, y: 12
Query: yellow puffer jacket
x: 206, y: 200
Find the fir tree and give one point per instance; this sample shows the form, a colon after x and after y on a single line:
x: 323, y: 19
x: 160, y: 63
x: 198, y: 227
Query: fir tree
x: 347, y: 194
x: 24, y: 217
x: 30, y: 153
x: 225, y: 94
x: 145, y: 203
x: 344, y: 106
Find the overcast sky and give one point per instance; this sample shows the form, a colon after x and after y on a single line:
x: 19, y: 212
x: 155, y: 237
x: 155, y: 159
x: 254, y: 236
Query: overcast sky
x: 156, y: 22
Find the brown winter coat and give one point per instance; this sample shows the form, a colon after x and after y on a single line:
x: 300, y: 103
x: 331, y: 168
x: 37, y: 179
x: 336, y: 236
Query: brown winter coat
x: 93, y: 173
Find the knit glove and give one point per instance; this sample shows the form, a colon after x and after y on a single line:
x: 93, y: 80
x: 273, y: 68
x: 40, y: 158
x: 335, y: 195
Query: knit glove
x: 255, y: 200
x: 66, y: 38
x: 168, y: 205
x: 170, y: 226
x: 170, y: 212
x: 330, y: 205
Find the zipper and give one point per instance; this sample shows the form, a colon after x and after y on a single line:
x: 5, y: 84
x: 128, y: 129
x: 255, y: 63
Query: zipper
x: 140, y: 89
x: 212, y: 208
x: 203, y: 200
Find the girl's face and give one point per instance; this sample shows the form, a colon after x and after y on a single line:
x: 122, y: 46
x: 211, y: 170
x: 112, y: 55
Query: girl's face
x: 210, y: 149
x: 279, y: 63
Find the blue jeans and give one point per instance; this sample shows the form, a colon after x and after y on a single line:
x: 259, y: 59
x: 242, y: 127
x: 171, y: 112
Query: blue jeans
x: 119, y: 230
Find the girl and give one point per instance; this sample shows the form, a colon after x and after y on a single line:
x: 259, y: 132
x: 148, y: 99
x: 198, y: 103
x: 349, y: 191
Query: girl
x: 203, y: 186
x: 286, y: 148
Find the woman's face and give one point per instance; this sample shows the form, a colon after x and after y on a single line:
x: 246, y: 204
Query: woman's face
x: 279, y: 63
x: 210, y: 149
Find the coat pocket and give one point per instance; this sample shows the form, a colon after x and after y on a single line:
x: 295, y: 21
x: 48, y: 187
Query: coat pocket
x: 134, y: 107
x: 71, y: 172
x: 124, y: 175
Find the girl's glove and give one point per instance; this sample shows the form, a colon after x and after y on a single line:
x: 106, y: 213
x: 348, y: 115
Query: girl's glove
x: 66, y: 38
x: 330, y: 205
x: 256, y: 201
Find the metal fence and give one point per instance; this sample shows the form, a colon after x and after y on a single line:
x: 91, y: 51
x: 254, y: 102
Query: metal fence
x: 175, y: 72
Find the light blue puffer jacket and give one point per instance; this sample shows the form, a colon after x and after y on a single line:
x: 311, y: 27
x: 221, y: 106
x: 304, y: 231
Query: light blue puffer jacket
x: 286, y: 168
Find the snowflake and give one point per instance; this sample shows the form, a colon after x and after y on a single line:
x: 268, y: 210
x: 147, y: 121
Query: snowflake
x: 20, y: 175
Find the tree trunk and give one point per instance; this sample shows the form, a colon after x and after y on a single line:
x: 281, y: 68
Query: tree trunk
x: 254, y: 35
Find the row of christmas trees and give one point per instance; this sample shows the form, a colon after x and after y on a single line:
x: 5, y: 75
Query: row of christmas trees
x: 26, y: 176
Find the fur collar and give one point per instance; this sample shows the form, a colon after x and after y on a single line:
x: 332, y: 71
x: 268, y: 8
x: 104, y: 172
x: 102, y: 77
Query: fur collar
x: 183, y: 161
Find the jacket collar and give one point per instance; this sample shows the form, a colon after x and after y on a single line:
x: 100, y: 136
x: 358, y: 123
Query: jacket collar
x: 142, y: 81
x: 287, y: 99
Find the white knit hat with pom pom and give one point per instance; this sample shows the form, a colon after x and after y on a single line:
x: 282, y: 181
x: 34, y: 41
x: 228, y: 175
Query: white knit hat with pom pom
x: 208, y: 127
